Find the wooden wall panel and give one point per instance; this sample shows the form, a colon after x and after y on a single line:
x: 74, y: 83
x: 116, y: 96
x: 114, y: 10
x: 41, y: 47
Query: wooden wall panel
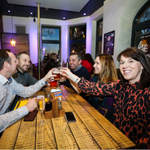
x: 1, y: 23
x: 22, y: 42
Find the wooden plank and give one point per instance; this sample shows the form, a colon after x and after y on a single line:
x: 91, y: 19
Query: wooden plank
x: 44, y: 134
x: 118, y: 136
x: 26, y: 136
x: 112, y: 132
x: 101, y: 136
x: 63, y: 135
x: 9, y: 136
x: 80, y: 132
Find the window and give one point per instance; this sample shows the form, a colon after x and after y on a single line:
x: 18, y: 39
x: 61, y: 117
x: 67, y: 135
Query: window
x: 99, y: 31
x: 78, y: 39
x: 141, y: 29
x: 51, y: 40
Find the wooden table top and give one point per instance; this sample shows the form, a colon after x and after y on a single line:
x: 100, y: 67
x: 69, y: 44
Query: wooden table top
x: 90, y: 131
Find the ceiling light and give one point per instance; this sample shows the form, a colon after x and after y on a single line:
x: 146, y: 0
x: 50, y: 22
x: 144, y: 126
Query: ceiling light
x: 84, y: 14
x: 64, y: 18
x: 31, y: 13
x: 8, y: 10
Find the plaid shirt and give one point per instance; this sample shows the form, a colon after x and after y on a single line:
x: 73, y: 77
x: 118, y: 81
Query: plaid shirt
x: 8, y: 90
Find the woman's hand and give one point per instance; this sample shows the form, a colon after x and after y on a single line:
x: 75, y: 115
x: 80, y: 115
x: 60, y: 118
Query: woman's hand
x: 68, y: 74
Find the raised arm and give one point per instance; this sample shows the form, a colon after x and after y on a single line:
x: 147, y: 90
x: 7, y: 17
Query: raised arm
x: 90, y: 87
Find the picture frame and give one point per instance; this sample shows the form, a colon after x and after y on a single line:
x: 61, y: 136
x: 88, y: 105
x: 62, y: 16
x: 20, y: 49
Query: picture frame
x: 109, y: 39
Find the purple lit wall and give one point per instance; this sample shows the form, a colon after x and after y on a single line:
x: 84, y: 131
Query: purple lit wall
x: 33, y: 41
x: 89, y: 36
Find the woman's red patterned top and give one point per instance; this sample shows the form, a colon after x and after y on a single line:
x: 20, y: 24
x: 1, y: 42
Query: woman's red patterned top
x: 131, y: 108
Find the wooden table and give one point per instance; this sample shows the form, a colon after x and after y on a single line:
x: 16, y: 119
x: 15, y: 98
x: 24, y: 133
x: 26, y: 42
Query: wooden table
x: 90, y: 131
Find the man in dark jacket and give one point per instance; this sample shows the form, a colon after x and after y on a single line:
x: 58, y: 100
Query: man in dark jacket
x: 22, y: 76
x: 75, y: 64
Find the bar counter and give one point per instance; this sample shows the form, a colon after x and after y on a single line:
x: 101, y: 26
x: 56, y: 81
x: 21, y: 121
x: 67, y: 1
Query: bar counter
x: 90, y: 131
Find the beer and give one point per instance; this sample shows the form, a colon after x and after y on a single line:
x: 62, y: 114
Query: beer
x: 53, y: 83
x: 57, y: 78
x: 57, y: 73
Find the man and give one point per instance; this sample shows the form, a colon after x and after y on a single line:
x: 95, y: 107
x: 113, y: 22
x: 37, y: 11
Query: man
x: 22, y: 76
x: 9, y: 88
x: 52, y: 62
x: 75, y: 62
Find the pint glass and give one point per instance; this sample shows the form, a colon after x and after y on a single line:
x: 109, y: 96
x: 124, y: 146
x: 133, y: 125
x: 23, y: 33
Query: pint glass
x: 54, y: 81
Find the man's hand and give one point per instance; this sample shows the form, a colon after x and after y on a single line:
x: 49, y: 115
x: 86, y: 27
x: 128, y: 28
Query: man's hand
x: 49, y: 75
x: 31, y: 104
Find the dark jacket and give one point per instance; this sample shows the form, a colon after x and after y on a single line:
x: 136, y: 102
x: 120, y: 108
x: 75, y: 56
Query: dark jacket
x: 25, y: 79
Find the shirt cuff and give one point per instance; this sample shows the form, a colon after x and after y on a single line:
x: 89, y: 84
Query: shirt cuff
x: 42, y: 82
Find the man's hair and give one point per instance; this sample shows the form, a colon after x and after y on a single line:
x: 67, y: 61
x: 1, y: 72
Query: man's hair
x: 4, y: 57
x: 19, y: 54
x: 78, y: 55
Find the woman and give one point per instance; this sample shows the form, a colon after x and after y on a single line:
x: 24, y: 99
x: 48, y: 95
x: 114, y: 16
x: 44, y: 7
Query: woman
x: 131, y: 105
x: 88, y: 63
x: 104, y: 72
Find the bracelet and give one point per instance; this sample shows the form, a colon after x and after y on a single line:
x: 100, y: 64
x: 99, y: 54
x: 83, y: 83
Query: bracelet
x: 76, y: 80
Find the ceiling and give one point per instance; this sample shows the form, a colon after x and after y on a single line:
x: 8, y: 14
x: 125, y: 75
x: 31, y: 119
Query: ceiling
x: 54, y: 9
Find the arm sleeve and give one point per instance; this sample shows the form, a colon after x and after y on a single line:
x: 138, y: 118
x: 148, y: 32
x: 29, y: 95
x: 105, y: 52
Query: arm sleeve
x: 97, y: 89
x: 22, y: 91
x: 31, y: 80
x: 11, y: 117
x: 144, y: 142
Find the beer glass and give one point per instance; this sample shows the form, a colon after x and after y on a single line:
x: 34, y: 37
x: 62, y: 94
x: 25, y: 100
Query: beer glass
x: 54, y: 81
x: 56, y: 72
x: 41, y: 105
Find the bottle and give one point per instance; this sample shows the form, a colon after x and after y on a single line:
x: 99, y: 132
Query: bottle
x: 67, y: 63
x: 48, y: 105
x: 58, y: 95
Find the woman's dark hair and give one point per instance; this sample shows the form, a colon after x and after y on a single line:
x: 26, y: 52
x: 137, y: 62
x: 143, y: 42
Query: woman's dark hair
x: 140, y: 56
x: 4, y: 57
x: 89, y: 58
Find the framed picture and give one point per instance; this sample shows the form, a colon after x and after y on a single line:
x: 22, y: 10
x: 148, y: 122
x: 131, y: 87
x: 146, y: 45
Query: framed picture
x: 109, y: 39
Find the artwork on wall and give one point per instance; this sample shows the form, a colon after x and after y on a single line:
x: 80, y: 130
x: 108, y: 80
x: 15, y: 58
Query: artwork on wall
x: 142, y: 41
x: 109, y: 42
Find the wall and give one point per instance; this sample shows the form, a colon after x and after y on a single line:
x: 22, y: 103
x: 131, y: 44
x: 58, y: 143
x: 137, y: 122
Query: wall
x: 117, y: 15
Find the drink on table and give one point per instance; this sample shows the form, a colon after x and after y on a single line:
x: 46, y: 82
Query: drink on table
x: 48, y: 105
x: 41, y: 105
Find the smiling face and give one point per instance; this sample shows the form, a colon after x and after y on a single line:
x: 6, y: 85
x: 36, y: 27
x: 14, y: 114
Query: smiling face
x: 130, y: 69
x: 74, y: 63
x: 97, y: 66
x: 23, y: 63
x: 13, y: 64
